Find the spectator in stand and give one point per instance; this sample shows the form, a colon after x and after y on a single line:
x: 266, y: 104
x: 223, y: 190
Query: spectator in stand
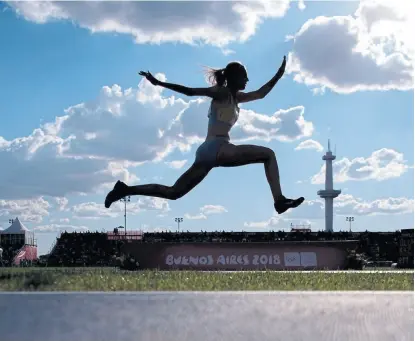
x: 84, y: 249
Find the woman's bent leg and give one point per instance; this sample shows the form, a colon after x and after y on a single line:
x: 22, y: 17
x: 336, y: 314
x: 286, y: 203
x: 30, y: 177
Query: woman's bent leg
x: 189, y: 180
x: 233, y: 156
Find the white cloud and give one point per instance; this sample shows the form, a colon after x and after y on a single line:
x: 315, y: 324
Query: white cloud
x: 205, y: 211
x: 62, y: 203
x: 215, y: 23
x: 227, y: 52
x: 60, y: 220
x: 348, y: 205
x: 284, y: 125
x: 344, y: 204
x: 310, y: 144
x: 269, y: 223
x: 198, y: 216
x: 381, y: 165
x: 95, y: 211
x: 148, y: 203
x: 177, y: 164
x: 371, y: 50
x: 213, y: 209
x: 52, y: 172
x: 309, y: 209
x: 301, y: 5
x: 62, y: 160
x: 279, y: 223
x: 140, y: 118
x: 156, y: 229
x: 26, y: 210
x: 60, y: 228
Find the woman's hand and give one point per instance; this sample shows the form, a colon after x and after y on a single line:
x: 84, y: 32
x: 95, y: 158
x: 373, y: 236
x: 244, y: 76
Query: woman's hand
x: 149, y: 77
x: 265, y: 89
x: 281, y: 70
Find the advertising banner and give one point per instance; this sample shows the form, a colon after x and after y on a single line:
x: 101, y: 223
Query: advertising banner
x: 238, y: 256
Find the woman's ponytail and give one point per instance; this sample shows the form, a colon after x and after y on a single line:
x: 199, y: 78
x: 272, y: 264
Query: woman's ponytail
x: 220, y: 78
x: 215, y: 76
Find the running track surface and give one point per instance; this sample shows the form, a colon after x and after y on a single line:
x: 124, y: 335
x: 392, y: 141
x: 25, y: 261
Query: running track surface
x: 207, y: 316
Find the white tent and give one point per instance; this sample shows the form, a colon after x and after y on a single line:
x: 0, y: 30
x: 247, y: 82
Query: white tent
x: 15, y: 228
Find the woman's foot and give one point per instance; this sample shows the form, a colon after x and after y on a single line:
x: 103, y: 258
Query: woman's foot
x: 284, y: 204
x: 119, y: 191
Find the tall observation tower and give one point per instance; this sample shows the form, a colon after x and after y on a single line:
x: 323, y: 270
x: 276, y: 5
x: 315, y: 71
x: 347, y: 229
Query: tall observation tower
x: 328, y: 194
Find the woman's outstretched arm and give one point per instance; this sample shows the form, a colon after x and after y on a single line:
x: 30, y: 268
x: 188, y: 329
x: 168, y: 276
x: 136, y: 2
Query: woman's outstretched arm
x: 264, y: 90
x: 212, y: 92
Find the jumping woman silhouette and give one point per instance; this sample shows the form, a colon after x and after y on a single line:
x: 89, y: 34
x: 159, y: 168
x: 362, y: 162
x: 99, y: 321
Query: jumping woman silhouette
x: 217, y: 151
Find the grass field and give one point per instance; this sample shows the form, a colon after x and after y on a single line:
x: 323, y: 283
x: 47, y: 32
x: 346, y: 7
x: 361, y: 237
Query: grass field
x: 108, y: 279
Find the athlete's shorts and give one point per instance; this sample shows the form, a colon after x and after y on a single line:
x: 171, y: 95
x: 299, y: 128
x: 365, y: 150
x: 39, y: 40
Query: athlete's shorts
x: 208, y: 151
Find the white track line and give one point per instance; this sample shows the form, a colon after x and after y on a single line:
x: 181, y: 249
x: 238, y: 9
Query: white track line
x: 324, y: 271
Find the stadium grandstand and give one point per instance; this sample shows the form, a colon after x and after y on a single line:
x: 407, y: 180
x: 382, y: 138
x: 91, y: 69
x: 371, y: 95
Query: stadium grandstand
x: 76, y: 249
x: 100, y: 249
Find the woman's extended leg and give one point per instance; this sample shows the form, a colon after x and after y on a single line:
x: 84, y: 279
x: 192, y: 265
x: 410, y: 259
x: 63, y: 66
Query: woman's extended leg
x: 233, y: 156
x: 189, y: 180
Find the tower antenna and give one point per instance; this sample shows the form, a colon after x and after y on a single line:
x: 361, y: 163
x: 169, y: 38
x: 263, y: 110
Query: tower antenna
x: 329, y: 193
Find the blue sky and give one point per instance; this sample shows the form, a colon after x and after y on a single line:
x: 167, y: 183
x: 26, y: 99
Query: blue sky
x: 57, y: 58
